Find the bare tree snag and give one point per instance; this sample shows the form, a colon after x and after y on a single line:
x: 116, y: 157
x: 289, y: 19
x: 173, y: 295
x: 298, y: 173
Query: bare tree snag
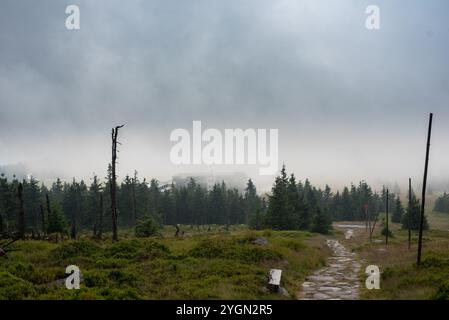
x: 178, y: 230
x: 114, y: 183
x: 21, y: 222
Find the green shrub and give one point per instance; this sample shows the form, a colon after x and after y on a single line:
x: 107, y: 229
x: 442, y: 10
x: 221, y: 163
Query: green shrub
x: 119, y: 294
x: 95, y: 279
x: 111, y: 263
x: 14, y: 288
x: 136, y: 250
x: 74, y: 249
x: 435, y: 260
x: 125, y: 249
x: 123, y: 278
x: 33, y: 274
x: 152, y: 250
x: 443, y: 292
x: 267, y: 233
x: 384, y: 232
x: 147, y: 228
x: 226, y: 249
x: 295, y: 245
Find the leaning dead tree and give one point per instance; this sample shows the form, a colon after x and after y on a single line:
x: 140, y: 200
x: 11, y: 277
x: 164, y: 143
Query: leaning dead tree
x: 113, y: 187
x: 4, y: 247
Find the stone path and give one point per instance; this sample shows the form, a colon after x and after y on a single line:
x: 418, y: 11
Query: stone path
x: 339, y: 280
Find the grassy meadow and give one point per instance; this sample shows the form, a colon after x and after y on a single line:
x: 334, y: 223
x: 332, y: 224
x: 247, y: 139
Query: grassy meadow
x: 203, y: 264
x: 400, y: 278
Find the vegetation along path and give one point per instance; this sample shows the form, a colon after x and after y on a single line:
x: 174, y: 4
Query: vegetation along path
x: 338, y: 280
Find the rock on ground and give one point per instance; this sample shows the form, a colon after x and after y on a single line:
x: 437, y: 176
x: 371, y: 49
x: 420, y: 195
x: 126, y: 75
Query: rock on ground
x: 339, y: 280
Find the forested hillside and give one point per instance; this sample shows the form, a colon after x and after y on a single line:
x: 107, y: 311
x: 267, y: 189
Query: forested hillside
x: 79, y: 205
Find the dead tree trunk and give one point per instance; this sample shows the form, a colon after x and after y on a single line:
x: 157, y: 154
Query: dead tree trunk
x: 423, y: 196
x: 21, y: 224
x: 114, y: 183
x: 42, y: 218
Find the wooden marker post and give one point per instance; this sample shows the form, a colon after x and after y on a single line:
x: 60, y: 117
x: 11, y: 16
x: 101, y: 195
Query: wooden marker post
x: 423, y: 199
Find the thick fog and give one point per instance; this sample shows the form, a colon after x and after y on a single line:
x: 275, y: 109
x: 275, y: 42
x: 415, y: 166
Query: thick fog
x: 349, y: 103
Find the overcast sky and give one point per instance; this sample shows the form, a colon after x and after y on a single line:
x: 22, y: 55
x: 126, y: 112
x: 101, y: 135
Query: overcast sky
x: 349, y: 103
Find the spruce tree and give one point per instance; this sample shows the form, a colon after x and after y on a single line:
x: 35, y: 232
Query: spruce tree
x: 398, y: 211
x: 321, y: 222
x: 56, y: 222
x: 252, y: 201
x: 294, y: 208
x: 278, y: 203
x: 415, y: 213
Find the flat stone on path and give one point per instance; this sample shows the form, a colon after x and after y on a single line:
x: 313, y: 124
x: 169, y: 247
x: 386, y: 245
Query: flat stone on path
x: 339, y: 280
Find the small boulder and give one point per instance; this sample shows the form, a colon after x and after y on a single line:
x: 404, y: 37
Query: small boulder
x: 261, y: 241
x: 283, y: 292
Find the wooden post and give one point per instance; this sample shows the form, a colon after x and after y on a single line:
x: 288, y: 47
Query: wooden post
x: 409, y: 212
x: 423, y: 196
x: 386, y: 219
x: 114, y: 183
